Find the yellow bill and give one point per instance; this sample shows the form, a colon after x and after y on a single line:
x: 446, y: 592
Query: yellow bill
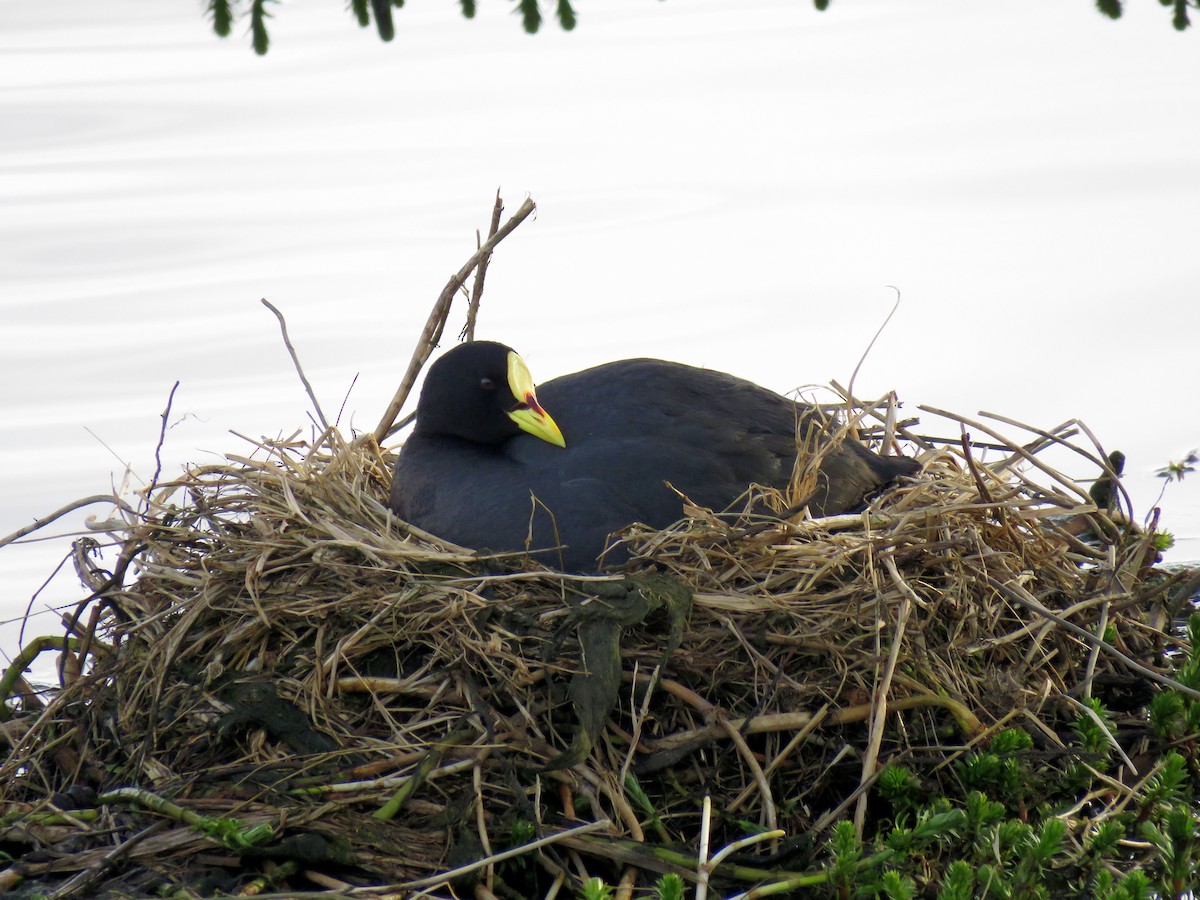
x: 528, y: 414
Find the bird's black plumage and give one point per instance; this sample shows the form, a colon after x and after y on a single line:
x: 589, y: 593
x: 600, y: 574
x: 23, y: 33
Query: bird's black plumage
x: 470, y: 475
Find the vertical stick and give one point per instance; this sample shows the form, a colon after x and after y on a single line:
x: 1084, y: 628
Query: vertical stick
x: 437, y: 320
x: 468, y: 332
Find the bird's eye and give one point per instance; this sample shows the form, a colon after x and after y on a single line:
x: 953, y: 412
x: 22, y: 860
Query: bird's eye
x: 487, y: 384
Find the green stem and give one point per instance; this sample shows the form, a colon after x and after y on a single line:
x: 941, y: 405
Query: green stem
x: 432, y: 760
x: 23, y: 660
x: 230, y: 832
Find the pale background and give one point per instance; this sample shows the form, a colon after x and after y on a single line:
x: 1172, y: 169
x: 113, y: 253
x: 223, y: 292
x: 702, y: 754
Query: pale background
x: 731, y: 183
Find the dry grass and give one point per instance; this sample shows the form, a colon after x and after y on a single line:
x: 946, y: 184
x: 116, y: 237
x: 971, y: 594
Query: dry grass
x: 432, y: 701
x: 280, y: 686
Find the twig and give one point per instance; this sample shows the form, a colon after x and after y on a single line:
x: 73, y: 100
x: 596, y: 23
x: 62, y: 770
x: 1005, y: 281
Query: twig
x: 736, y: 847
x: 485, y: 841
x: 862, y: 359
x: 296, y: 361
x: 124, y: 559
x: 345, y: 400
x: 999, y: 510
x: 468, y: 332
x: 1026, y: 599
x: 452, y: 874
x: 403, y: 423
x: 611, y: 789
x: 59, y: 513
x: 1089, y: 673
x: 765, y: 723
x: 747, y: 755
x: 965, y: 443
x: 1052, y: 438
x: 162, y: 438
x: 702, y: 870
x: 437, y: 320
x: 412, y: 783
x: 85, y: 882
x: 23, y: 660
x: 883, y: 688
x: 1018, y: 451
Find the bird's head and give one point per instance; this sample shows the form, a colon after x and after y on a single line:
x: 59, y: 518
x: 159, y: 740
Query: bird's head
x: 482, y: 391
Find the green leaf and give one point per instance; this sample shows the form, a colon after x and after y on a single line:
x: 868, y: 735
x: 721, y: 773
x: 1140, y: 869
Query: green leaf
x: 566, y: 15
x: 258, y: 26
x: 1012, y: 833
x: 1048, y: 841
x: 383, y: 18
x: 1134, y: 886
x: 958, y: 883
x: 943, y: 825
x: 846, y: 850
x: 531, y: 15
x: 897, y: 886
x: 1166, y: 712
x: 222, y: 16
x: 899, y: 786
x: 669, y: 887
x: 1163, y: 540
x: 982, y: 812
x: 1011, y: 740
x: 1104, y: 839
x: 1180, y: 19
x: 1092, y: 737
x: 1164, y: 786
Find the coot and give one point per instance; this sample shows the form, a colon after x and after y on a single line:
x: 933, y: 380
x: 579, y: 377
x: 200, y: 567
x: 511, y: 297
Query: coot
x: 487, y: 466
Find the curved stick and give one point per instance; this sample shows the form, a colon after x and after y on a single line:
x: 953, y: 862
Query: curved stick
x: 437, y: 320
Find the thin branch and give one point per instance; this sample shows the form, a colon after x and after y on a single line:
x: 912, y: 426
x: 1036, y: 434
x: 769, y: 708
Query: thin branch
x: 1018, y: 594
x: 1019, y: 451
x: 1089, y: 673
x: 437, y: 320
x: 59, y: 513
x: 85, y: 882
x: 451, y: 875
x: 296, y: 361
x: 883, y: 688
x: 862, y: 359
x: 1052, y: 438
x: 345, y: 400
x: 162, y: 438
x: 468, y: 332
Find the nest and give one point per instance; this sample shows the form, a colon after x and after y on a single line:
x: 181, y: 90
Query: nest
x: 281, y: 685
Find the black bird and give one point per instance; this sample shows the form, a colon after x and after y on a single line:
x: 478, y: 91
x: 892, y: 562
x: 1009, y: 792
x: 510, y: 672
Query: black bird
x: 488, y: 468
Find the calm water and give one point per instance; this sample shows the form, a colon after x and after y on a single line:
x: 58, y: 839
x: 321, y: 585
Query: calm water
x: 732, y: 187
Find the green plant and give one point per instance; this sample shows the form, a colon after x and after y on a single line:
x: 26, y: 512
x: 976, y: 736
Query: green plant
x: 1001, y: 769
x: 1095, y: 728
x: 1163, y: 540
x: 669, y: 887
x: 900, y: 787
x: 595, y: 889
x: 1175, y: 838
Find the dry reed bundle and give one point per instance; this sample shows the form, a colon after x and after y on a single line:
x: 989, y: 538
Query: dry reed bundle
x: 291, y: 654
x: 281, y: 686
